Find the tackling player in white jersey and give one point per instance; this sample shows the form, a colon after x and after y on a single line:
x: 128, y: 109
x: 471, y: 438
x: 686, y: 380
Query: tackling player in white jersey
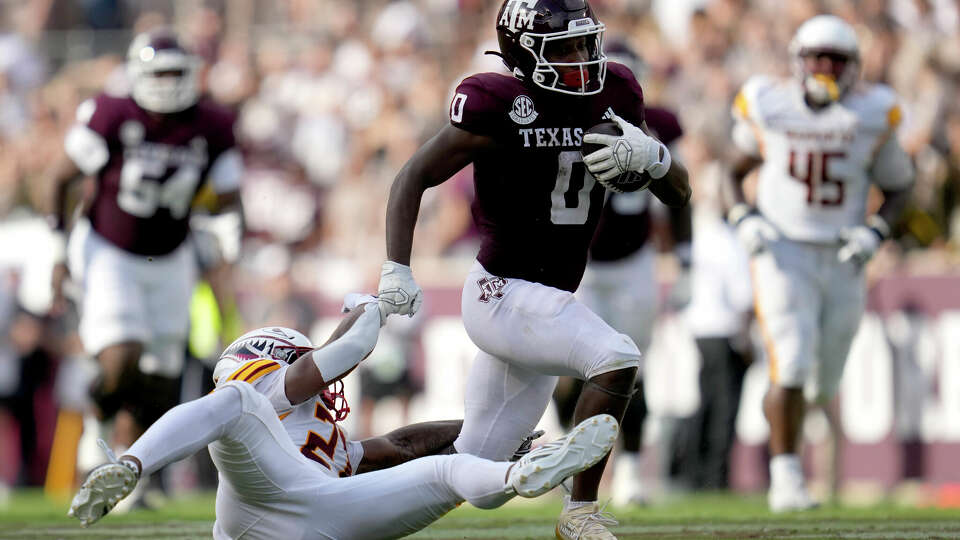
x: 287, y: 469
x: 821, y: 140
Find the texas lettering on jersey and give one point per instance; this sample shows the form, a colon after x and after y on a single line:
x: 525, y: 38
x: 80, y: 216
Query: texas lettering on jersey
x: 536, y: 204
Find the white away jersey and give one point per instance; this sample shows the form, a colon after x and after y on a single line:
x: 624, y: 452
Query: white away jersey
x: 818, y: 165
x: 310, y: 424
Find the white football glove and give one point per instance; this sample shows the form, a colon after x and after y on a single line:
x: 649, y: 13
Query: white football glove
x: 352, y: 300
x: 398, y: 292
x: 632, y: 151
x: 753, y: 230
x: 859, y: 244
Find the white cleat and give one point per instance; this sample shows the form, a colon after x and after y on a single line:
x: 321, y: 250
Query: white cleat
x: 794, y: 499
x: 586, y: 522
x: 104, y: 487
x: 545, y: 467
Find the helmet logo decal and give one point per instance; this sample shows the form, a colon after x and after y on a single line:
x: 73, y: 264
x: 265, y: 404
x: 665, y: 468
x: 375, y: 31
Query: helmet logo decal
x: 519, y: 14
x: 522, y: 111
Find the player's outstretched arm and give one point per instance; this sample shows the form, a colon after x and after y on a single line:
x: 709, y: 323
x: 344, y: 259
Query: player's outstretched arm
x: 450, y: 150
x: 351, y: 342
x: 407, y: 443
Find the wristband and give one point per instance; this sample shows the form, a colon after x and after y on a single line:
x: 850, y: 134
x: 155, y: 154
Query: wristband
x: 58, y: 242
x: 879, y: 225
x: 659, y: 170
x: 739, y: 211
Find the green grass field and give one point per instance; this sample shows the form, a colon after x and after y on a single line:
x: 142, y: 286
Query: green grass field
x: 30, y: 516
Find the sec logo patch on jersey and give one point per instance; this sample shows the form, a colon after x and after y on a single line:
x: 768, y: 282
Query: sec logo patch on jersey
x: 523, y: 111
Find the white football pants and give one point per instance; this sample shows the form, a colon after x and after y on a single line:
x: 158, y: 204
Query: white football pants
x: 528, y: 334
x: 808, y: 306
x: 269, y: 490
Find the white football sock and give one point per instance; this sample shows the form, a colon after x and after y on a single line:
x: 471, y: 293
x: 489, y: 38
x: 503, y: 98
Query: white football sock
x: 786, y: 470
x: 570, y: 504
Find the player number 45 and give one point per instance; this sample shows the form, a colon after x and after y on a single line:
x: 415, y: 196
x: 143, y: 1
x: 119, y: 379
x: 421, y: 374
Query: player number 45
x: 822, y: 188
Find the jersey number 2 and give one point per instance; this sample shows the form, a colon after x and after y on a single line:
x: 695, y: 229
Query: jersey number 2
x: 328, y: 447
x: 816, y: 176
x: 570, y: 198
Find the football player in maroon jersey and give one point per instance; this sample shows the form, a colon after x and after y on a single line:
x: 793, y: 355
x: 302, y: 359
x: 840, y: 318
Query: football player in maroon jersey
x: 149, y: 153
x: 538, y: 201
x: 620, y: 284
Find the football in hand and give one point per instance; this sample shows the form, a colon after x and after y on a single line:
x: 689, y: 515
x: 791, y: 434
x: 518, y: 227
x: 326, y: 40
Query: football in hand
x: 624, y: 182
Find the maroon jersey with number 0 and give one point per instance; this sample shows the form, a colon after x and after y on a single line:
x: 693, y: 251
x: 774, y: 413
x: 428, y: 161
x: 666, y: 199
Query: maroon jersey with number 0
x: 536, y: 204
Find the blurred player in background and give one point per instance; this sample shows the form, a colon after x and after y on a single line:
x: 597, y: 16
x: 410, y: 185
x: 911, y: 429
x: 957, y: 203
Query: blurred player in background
x: 820, y: 140
x: 620, y: 284
x: 538, y: 202
x: 718, y: 317
x: 150, y: 154
x: 287, y: 469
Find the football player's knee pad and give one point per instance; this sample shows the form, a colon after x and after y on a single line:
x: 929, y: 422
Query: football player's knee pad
x: 616, y: 352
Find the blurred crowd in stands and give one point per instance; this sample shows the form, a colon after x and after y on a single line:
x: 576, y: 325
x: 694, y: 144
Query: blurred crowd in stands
x: 333, y: 96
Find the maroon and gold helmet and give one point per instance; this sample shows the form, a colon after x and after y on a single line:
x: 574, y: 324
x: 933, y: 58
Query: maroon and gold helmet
x: 535, y: 36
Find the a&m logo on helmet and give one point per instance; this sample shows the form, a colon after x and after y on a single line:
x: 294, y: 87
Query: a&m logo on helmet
x: 519, y: 14
x: 522, y: 111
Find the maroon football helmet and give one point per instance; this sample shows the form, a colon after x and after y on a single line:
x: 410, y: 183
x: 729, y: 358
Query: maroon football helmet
x: 554, y: 44
x: 163, y: 74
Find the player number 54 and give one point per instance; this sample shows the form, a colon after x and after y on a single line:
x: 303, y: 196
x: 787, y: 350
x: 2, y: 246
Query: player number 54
x: 142, y: 190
